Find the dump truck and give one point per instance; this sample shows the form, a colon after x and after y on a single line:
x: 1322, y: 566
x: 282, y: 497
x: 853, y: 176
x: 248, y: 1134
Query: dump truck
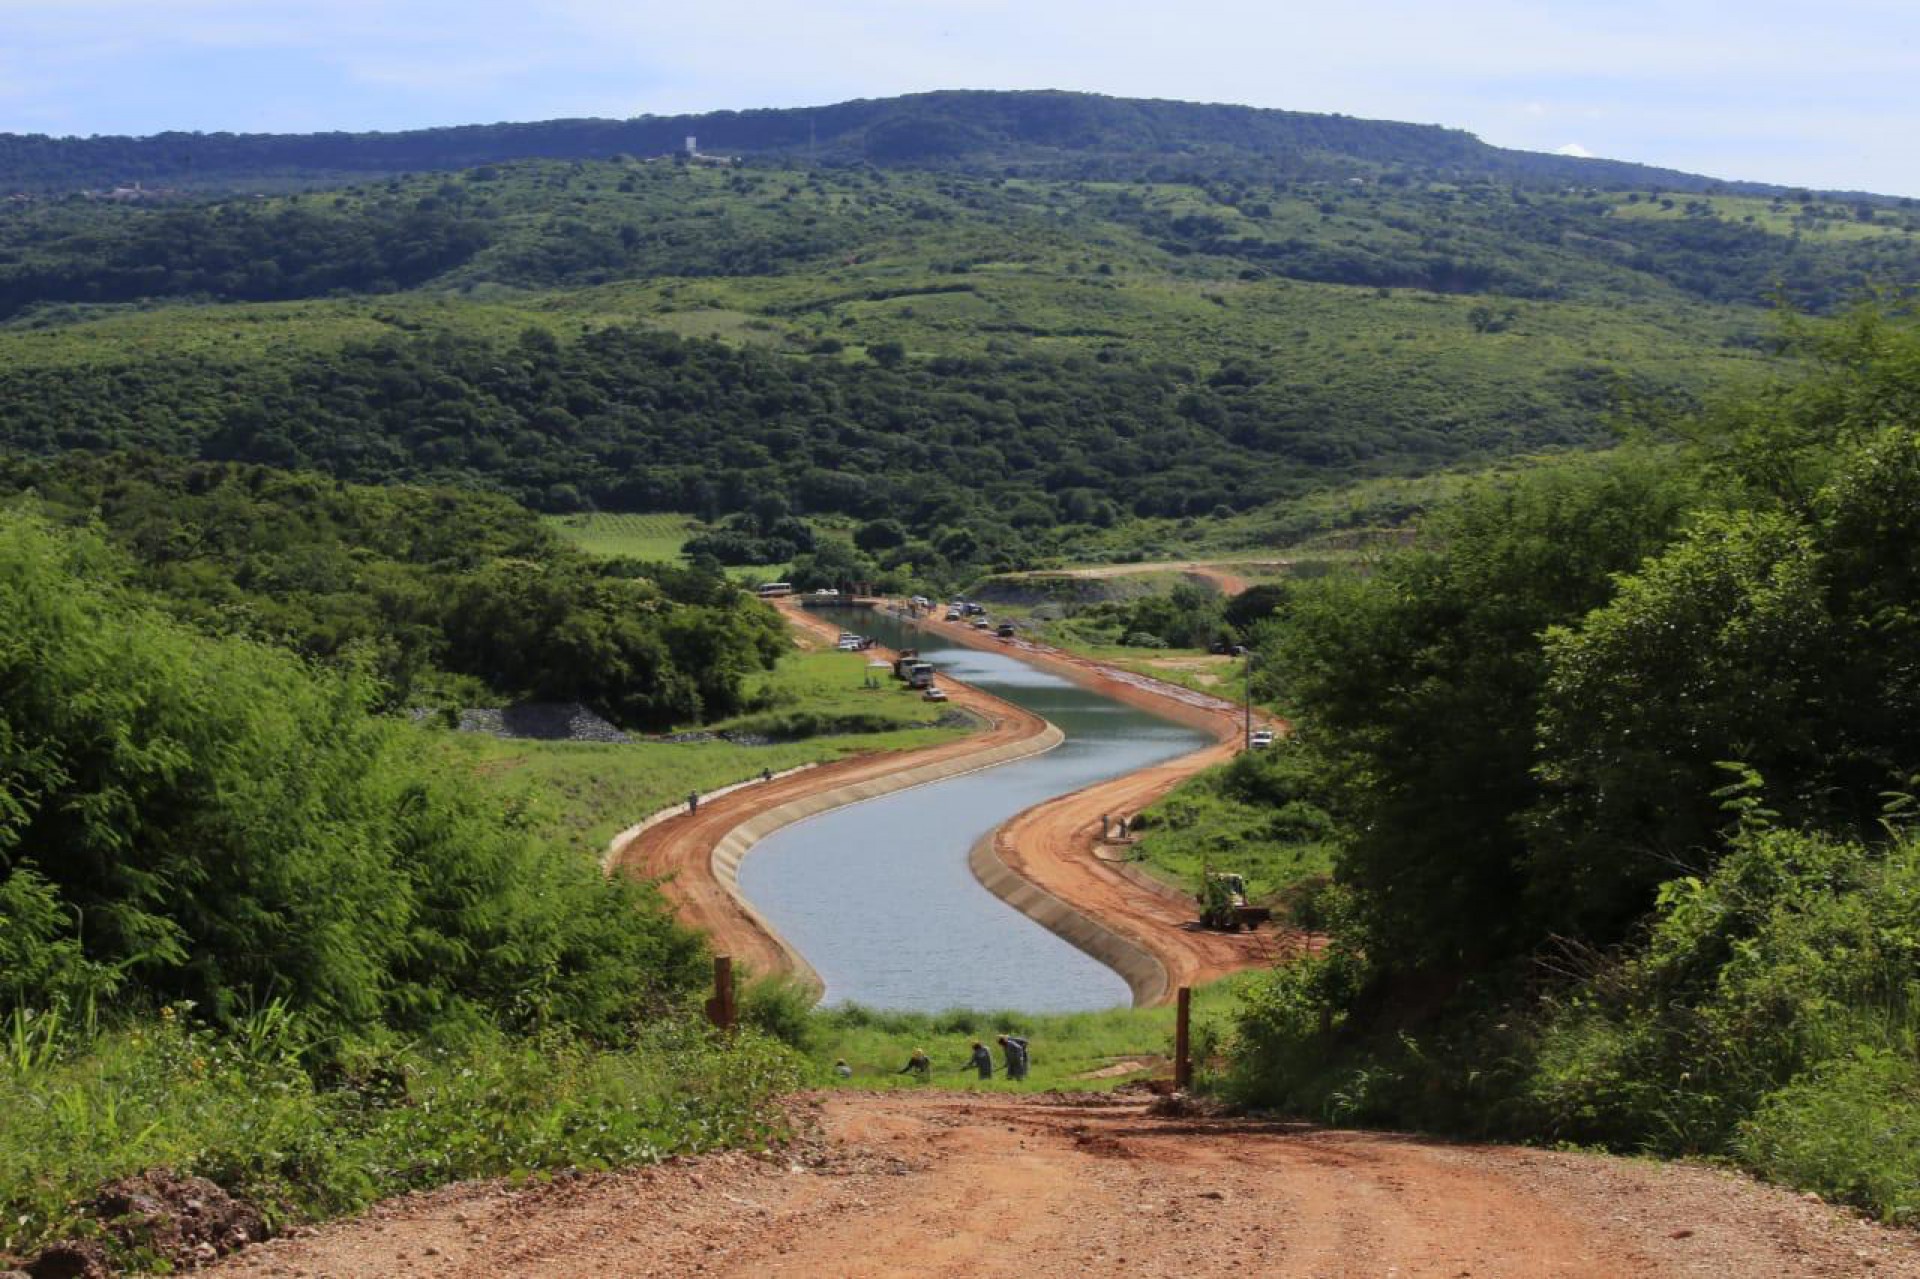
x: 1223, y: 903
x: 920, y: 675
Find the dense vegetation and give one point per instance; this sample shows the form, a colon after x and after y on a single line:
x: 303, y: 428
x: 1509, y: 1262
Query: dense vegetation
x: 1002, y: 368
x: 1057, y: 133
x: 233, y: 252
x: 370, y: 973
x: 416, y: 585
x: 1620, y: 763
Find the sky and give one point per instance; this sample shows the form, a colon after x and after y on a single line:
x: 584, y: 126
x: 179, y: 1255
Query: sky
x: 1821, y: 95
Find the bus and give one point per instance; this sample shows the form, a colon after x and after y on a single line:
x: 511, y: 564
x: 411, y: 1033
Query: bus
x: 772, y: 590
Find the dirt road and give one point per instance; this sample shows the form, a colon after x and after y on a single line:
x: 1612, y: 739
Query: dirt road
x: 1227, y: 576
x: 947, y: 1184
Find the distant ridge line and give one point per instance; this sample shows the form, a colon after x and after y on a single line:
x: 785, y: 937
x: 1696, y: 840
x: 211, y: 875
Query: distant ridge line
x: 1026, y: 132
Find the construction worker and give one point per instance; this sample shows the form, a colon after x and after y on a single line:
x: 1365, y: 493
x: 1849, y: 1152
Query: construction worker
x: 919, y: 1065
x: 693, y: 801
x: 982, y: 1060
x: 1016, y: 1050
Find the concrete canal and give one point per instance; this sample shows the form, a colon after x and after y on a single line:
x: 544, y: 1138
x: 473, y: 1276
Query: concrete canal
x: 878, y: 895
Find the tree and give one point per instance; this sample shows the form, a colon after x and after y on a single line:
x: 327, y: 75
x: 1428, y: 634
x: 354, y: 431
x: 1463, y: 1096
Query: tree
x: 880, y: 535
x: 1415, y: 692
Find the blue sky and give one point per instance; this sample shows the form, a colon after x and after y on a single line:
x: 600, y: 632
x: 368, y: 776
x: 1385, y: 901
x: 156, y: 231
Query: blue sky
x: 1821, y: 95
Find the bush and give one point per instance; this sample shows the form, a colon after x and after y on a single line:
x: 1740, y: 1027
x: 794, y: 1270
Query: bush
x: 779, y: 1008
x: 238, y: 1109
x: 1851, y: 1132
x: 290, y: 844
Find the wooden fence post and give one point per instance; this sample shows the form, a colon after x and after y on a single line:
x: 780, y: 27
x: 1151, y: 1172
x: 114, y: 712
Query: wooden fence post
x: 1183, y: 1040
x: 720, y: 1007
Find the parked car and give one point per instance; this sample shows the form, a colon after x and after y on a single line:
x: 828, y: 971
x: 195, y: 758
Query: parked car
x: 826, y: 590
x: 953, y: 615
x: 1262, y: 738
x: 935, y: 694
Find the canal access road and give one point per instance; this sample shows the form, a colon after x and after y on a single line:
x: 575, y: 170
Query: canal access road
x: 1047, y: 861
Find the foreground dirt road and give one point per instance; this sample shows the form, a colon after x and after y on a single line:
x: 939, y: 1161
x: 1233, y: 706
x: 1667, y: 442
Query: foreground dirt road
x: 947, y: 1184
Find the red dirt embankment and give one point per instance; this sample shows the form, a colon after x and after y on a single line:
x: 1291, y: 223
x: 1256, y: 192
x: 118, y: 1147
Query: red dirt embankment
x: 1056, y: 846
x: 680, y: 850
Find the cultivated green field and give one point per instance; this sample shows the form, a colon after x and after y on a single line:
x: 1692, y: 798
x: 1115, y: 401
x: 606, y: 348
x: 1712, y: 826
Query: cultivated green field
x: 656, y: 537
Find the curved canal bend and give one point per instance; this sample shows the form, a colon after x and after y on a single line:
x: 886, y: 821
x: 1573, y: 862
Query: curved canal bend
x: 878, y: 895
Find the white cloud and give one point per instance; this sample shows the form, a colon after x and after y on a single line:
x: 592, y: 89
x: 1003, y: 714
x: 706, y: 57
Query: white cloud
x: 1574, y: 149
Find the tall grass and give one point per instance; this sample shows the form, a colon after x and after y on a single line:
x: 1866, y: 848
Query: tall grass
x: 83, y: 1108
x: 1067, y: 1049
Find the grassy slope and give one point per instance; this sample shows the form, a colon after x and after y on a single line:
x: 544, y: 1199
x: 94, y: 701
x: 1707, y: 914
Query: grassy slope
x: 586, y: 793
x: 1065, y: 1047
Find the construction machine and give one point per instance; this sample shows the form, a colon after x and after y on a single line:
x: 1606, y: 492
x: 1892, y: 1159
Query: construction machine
x: 1223, y: 903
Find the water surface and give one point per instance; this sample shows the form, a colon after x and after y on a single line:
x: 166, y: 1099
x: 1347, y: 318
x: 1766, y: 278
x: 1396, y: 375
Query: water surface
x: 878, y: 896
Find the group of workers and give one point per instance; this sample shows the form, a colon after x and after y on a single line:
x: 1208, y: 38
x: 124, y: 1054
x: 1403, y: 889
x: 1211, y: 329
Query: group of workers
x: 920, y: 1066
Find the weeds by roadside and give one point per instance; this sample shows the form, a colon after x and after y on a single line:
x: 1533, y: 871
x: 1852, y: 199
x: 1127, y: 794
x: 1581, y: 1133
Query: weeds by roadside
x: 247, y: 1111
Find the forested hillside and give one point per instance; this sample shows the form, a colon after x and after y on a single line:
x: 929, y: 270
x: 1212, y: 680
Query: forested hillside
x: 1055, y: 134
x: 989, y: 362
x: 442, y: 597
x: 1621, y: 766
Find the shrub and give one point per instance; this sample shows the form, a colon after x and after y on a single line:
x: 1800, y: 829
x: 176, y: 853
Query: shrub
x: 1850, y: 1131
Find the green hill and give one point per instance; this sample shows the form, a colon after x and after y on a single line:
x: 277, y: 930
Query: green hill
x: 1033, y: 133
x: 1000, y: 364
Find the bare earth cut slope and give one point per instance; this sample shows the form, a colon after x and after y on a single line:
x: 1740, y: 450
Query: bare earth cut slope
x: 944, y: 1184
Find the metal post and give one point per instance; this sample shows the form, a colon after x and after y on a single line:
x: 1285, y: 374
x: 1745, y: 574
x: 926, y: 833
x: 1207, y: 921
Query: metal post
x: 1183, y: 1040
x: 720, y: 1007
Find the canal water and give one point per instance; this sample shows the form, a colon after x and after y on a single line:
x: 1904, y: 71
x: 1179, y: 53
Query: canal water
x: 878, y: 895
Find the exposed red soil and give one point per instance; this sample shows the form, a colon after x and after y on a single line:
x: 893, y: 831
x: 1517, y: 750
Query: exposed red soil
x: 946, y: 1184
x: 1057, y: 844
x: 679, y: 851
